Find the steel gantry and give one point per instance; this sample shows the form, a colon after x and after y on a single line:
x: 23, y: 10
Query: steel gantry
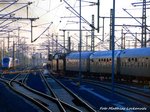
x: 144, y: 25
x: 9, y: 17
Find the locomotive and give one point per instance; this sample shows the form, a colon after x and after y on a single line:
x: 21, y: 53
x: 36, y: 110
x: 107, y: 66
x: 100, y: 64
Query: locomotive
x: 129, y: 64
x: 8, y: 63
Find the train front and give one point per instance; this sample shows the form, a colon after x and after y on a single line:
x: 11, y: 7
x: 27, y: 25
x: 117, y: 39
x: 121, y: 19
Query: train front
x: 5, y: 63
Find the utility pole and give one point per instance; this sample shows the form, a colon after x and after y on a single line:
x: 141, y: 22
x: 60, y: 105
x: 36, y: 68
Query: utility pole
x: 80, y: 43
x: 48, y: 48
x: 86, y: 41
x: 13, y: 53
x: 110, y: 40
x: 69, y: 43
x: 64, y: 39
x: 144, y: 25
x: 8, y: 41
x: 122, y: 36
x: 52, y: 43
x: 143, y: 38
x: 103, y: 29
x: 113, y: 46
x: 3, y: 48
x: 56, y: 43
x: 92, y: 35
x: 98, y: 13
x: 135, y: 43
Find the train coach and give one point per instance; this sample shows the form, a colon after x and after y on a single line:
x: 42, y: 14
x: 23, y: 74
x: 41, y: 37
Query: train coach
x: 135, y: 64
x: 130, y: 64
x: 72, y: 62
x: 101, y: 63
x: 58, y: 62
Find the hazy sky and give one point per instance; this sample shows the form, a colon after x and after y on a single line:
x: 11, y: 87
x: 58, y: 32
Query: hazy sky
x: 53, y: 10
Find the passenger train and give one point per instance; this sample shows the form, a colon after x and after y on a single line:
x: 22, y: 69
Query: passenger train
x: 7, y: 63
x: 130, y: 64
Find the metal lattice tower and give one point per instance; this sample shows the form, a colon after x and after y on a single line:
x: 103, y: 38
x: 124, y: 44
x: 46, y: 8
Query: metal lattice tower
x: 143, y: 38
x: 110, y: 43
x: 92, y: 35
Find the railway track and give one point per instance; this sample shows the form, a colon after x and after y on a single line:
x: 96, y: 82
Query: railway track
x: 73, y: 102
x: 47, y: 102
x: 131, y: 93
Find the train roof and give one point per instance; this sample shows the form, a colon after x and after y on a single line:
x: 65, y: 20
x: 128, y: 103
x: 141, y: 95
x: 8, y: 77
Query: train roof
x: 75, y: 55
x: 138, y: 52
x: 104, y: 54
x: 7, y: 58
x: 58, y: 55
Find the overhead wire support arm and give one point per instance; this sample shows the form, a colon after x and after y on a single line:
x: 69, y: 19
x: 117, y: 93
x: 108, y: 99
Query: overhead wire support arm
x: 29, y: 3
x: 121, y: 17
x: 144, y: 3
x: 8, y: 2
x: 73, y: 30
x: 131, y: 15
x: 139, y: 3
x: 60, y: 44
x: 8, y: 5
x: 8, y: 23
x: 3, y: 21
x: 68, y: 17
x: 18, y: 18
x: 131, y: 33
x: 78, y: 15
x: 41, y: 33
x: 98, y: 11
x: 134, y: 18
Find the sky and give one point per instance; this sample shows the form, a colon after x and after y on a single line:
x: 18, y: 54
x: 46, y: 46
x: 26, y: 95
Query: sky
x: 53, y: 11
x: 57, y: 14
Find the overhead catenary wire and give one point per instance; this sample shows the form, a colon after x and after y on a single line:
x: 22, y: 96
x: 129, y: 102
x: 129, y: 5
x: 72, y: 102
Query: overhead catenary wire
x: 43, y: 32
x: 16, y: 10
x: 77, y: 14
x: 134, y: 18
x: 9, y: 5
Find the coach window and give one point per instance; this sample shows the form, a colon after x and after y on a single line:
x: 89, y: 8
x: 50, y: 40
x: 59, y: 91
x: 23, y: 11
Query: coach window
x: 147, y: 58
x: 104, y: 60
x: 128, y: 59
x: 107, y: 60
x: 110, y: 59
x: 99, y: 60
x: 135, y: 59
